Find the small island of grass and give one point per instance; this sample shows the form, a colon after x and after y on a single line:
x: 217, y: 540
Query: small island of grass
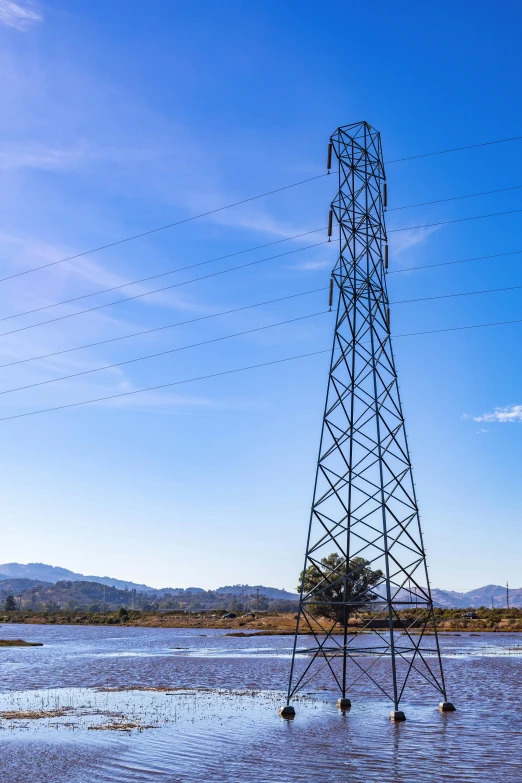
x: 19, y: 643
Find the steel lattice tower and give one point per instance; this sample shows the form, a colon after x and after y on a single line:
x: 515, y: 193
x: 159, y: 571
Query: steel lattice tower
x: 364, y: 506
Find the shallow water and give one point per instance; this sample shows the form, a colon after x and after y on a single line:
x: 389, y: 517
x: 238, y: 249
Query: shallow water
x: 220, y: 722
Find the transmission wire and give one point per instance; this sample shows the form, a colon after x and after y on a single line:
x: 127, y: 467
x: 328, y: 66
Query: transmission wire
x: 458, y: 328
x: 160, y: 328
x: 164, y: 353
x: 157, y: 290
x: 454, y: 198
x: 449, y: 263
x: 455, y: 149
x: 236, y: 370
x: 235, y: 204
x: 248, y: 307
x: 457, y: 220
x: 162, y: 228
x: 450, y: 296
x: 161, y: 274
x: 200, y: 263
x: 236, y: 253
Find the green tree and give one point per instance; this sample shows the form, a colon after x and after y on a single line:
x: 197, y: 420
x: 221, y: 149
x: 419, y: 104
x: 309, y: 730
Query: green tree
x: 329, y: 585
x: 123, y: 614
x: 10, y: 604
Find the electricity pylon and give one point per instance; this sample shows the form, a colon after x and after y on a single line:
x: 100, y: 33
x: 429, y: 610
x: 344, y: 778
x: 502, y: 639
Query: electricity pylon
x: 364, y: 508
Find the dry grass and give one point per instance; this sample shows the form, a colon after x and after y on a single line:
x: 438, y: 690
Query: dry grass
x: 18, y: 643
x: 124, y: 688
x: 34, y: 714
x: 120, y: 726
x: 271, y: 624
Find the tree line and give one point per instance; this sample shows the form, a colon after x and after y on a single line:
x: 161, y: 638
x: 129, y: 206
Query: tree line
x: 96, y: 597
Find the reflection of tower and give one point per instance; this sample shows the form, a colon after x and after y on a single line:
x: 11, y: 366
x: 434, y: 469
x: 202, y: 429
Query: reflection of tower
x: 364, y: 506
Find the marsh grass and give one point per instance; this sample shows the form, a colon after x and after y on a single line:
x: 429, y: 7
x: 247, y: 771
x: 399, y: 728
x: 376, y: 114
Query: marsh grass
x: 121, y: 726
x: 35, y: 714
x: 19, y: 643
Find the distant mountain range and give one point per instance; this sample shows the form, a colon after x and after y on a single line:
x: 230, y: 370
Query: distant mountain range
x: 33, y: 574
x: 47, y: 573
x: 41, y: 572
x: 489, y: 595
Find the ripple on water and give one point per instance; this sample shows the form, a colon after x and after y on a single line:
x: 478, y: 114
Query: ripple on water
x: 217, y: 734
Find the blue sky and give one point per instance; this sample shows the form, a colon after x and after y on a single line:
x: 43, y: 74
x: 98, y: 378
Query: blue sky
x: 119, y: 117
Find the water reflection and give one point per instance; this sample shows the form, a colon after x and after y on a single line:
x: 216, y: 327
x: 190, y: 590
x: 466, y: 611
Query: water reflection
x: 219, y: 722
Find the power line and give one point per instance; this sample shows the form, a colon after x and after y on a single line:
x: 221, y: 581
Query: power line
x: 239, y: 252
x: 160, y: 328
x: 457, y: 220
x: 236, y: 370
x: 451, y: 296
x: 157, y: 290
x: 242, y: 266
x: 454, y: 198
x: 164, y: 353
x: 172, y: 271
x: 161, y: 274
x: 235, y: 204
x: 245, y: 307
x: 164, y: 385
x: 449, y: 263
x: 455, y: 149
x: 163, y: 228
x: 458, y: 328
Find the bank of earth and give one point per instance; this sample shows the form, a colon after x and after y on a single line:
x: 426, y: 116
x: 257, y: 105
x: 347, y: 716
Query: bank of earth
x: 259, y: 623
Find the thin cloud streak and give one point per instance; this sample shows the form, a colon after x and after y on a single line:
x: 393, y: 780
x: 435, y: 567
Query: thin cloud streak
x: 48, y: 158
x: 56, y: 284
x: 21, y: 16
x: 399, y: 246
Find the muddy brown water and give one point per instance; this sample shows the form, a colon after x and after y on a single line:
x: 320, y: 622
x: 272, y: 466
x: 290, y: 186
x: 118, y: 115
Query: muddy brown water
x: 219, y: 722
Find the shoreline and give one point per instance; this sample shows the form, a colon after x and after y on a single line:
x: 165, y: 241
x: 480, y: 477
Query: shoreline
x: 263, y: 624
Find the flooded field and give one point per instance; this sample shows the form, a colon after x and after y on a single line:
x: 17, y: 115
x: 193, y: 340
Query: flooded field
x: 135, y: 704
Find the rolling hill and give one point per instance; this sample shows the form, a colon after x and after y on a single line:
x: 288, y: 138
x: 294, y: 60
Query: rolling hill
x: 31, y: 575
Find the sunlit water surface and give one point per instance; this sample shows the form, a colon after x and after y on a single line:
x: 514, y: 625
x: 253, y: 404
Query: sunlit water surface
x: 216, y: 717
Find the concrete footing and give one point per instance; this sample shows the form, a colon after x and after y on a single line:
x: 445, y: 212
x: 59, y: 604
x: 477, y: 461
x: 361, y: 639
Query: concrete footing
x: 447, y: 706
x: 344, y: 704
x: 287, y: 712
x: 397, y: 715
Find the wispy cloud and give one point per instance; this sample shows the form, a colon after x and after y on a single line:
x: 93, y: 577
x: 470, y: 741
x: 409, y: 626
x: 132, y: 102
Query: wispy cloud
x: 172, y: 404
x: 169, y: 403
x: 312, y: 266
x: 19, y: 15
x: 403, y: 241
x: 256, y: 218
x: 512, y: 413
x: 81, y: 276
x: 96, y: 273
x: 38, y: 156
